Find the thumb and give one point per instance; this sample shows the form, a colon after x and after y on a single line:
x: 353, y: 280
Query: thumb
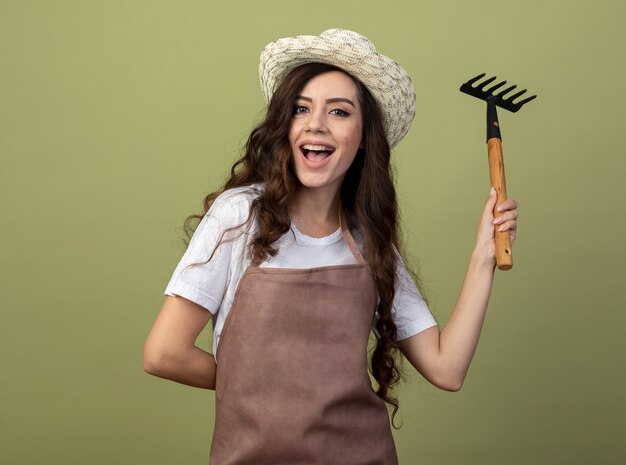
x: 490, y: 205
x: 485, y: 227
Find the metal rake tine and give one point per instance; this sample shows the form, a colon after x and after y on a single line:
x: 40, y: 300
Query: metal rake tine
x: 473, y: 80
x: 488, y: 81
x: 508, y: 89
x: 526, y: 100
x: 497, y: 86
x: 515, y: 95
x: 512, y: 106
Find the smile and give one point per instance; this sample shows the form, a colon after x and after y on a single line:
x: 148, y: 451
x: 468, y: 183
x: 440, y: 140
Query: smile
x: 316, y: 153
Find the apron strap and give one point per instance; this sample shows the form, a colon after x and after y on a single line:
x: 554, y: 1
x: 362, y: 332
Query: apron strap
x: 350, y: 240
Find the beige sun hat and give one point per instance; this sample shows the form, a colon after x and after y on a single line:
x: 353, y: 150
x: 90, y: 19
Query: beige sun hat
x: 388, y: 82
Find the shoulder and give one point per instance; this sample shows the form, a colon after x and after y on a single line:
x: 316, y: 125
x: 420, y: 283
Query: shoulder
x: 239, y: 196
x: 233, y: 205
x: 226, y: 227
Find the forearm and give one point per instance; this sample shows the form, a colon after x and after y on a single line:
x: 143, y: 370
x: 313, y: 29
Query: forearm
x: 444, y: 357
x: 194, y: 367
x: 170, y: 351
x: 459, y: 338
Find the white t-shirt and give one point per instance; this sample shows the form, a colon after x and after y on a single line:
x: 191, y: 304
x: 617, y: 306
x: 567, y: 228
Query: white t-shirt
x: 212, y: 283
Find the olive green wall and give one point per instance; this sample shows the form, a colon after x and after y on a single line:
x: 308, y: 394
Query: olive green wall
x: 117, y: 116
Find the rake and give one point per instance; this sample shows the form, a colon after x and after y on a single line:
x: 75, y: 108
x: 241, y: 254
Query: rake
x: 504, y: 251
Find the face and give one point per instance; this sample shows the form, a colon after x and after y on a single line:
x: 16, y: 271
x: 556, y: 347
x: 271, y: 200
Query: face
x: 326, y: 130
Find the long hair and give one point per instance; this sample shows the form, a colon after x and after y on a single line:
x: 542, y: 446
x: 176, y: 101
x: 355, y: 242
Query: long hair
x: 368, y: 199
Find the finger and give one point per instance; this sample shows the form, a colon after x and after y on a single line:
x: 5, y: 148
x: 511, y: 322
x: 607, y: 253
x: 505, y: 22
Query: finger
x: 508, y: 226
x: 512, y: 234
x: 508, y: 204
x: 507, y: 216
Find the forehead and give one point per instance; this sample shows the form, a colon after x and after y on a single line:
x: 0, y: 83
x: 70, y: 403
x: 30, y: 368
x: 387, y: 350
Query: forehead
x: 331, y: 84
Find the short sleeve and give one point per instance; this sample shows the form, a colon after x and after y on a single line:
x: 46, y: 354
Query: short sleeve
x: 197, y: 278
x: 410, y: 312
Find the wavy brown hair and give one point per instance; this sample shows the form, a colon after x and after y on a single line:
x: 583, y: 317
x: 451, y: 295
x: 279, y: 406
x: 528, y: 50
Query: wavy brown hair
x: 368, y: 199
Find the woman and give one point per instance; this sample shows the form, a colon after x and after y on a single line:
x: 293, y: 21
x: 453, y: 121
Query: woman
x: 296, y: 259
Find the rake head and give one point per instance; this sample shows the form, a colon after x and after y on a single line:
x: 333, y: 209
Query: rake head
x: 499, y: 99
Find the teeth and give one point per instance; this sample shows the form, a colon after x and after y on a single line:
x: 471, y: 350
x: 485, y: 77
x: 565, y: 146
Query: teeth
x: 317, y: 148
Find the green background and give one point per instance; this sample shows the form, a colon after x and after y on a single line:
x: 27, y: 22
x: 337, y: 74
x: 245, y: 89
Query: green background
x: 116, y: 117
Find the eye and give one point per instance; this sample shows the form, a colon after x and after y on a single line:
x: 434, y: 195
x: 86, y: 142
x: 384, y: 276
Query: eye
x: 339, y: 112
x: 299, y: 109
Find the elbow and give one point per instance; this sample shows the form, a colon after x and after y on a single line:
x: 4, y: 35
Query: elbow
x: 452, y: 386
x: 154, y: 361
x: 150, y: 366
x: 449, y: 383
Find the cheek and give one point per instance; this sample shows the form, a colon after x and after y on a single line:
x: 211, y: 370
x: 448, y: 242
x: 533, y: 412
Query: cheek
x: 356, y: 133
x: 352, y: 158
x: 294, y: 129
x: 354, y: 138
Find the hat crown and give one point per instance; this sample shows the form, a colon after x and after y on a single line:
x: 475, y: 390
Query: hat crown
x: 344, y: 36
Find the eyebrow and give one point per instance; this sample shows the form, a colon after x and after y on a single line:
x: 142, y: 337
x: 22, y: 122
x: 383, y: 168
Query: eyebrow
x: 330, y: 100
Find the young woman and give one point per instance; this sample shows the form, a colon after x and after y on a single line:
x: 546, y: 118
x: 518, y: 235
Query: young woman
x: 296, y: 260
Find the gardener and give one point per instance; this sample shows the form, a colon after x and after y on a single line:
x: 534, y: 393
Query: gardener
x: 296, y: 259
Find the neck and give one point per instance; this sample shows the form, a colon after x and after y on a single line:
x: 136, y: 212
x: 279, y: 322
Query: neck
x: 315, y: 213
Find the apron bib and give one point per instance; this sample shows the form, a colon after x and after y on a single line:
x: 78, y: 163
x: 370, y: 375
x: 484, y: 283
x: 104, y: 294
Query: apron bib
x: 292, y: 385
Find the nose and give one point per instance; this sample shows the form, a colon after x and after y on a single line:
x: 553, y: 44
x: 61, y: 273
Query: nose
x: 316, y: 122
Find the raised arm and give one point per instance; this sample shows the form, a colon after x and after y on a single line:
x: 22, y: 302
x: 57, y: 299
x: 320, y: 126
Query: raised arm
x: 443, y: 356
x: 170, y: 351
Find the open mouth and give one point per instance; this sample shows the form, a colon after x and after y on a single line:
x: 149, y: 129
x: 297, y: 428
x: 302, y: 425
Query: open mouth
x: 316, y: 152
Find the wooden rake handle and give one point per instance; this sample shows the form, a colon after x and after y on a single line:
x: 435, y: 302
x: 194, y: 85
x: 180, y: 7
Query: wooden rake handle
x: 504, y: 251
